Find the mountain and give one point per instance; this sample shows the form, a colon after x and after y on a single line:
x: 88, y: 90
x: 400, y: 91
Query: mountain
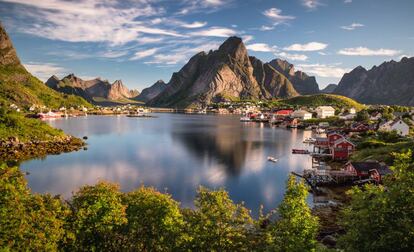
x: 95, y: 91
x: 329, y: 89
x: 223, y: 74
x: 303, y: 83
x: 390, y: 83
x: 18, y: 86
x: 152, y: 91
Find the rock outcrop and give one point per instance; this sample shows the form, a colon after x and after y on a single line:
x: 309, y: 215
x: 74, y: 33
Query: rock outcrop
x: 303, y: 83
x: 226, y: 73
x: 390, y: 83
x: 8, y: 55
x: 152, y: 91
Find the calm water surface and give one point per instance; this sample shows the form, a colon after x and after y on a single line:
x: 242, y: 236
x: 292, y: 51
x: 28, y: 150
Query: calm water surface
x: 175, y: 153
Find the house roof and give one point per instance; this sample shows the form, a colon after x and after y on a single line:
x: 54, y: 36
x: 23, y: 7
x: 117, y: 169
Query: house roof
x: 370, y: 165
x: 326, y: 108
x: 396, y: 121
x: 284, y: 112
x: 342, y: 139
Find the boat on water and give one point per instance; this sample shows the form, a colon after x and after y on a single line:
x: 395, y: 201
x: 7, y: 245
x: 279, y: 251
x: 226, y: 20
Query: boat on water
x: 300, y: 151
x: 309, y: 140
x: 272, y: 159
x: 141, y: 113
x: 245, y: 119
x: 49, y: 115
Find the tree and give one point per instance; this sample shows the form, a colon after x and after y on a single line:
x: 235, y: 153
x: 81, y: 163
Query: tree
x: 297, y: 228
x: 217, y: 224
x: 97, y: 214
x: 381, y: 218
x: 362, y: 116
x: 27, y: 222
x: 155, y: 222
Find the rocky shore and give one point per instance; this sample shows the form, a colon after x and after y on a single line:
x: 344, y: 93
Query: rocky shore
x: 14, y: 150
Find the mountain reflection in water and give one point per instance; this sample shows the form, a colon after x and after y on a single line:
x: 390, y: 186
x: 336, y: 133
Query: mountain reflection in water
x: 175, y: 153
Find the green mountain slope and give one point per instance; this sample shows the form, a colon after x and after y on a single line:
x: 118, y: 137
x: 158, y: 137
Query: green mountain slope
x: 323, y: 100
x: 18, y: 86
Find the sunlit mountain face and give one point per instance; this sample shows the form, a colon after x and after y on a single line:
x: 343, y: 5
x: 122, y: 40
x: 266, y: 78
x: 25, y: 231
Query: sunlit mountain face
x: 141, y: 42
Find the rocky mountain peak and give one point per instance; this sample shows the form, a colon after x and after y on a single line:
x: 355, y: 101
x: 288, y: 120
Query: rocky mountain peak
x: 8, y: 55
x: 235, y: 48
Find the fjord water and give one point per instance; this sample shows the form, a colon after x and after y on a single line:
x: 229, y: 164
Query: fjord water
x: 175, y: 153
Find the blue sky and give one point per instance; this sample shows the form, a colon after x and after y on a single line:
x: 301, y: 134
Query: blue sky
x: 141, y: 41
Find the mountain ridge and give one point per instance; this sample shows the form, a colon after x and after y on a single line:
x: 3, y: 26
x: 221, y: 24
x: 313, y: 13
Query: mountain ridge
x: 93, y: 89
x: 390, y: 83
x: 230, y: 72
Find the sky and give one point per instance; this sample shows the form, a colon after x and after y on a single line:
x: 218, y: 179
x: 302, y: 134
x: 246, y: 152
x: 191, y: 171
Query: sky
x: 142, y: 41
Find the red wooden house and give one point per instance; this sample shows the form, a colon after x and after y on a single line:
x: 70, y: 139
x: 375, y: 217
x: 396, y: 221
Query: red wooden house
x: 284, y: 112
x: 333, y: 137
x: 341, y: 149
x: 369, y: 169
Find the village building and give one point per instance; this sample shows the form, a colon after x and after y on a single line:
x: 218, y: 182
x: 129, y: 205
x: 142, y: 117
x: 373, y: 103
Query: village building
x: 283, y: 112
x: 341, y: 149
x: 325, y: 111
x: 301, y: 114
x: 352, y: 111
x: 368, y: 169
x: 398, y: 125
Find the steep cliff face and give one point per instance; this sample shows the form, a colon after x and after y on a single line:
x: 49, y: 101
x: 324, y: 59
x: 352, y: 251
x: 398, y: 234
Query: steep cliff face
x: 302, y: 83
x: 19, y: 87
x: 8, y: 55
x: 119, y: 91
x: 390, y: 83
x: 225, y: 73
x: 92, y: 90
x: 152, y: 91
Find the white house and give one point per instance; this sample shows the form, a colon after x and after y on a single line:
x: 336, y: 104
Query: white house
x: 398, y: 125
x: 302, y: 114
x: 352, y: 111
x: 325, y: 111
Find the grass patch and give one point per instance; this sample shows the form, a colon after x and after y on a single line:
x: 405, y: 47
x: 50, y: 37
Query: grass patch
x: 323, y: 100
x: 13, y: 124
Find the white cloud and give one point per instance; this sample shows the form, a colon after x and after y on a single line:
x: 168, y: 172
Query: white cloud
x: 364, y: 51
x: 312, y: 46
x: 194, y: 25
x: 260, y: 47
x: 113, y: 54
x: 144, y: 54
x: 311, y: 4
x: 267, y: 28
x: 247, y: 38
x: 215, y: 32
x: 275, y: 15
x: 294, y: 57
x: 87, y: 20
x: 347, y: 1
x: 167, y: 59
x: 352, y: 26
x: 44, y: 70
x: 206, y: 6
x: 322, y: 70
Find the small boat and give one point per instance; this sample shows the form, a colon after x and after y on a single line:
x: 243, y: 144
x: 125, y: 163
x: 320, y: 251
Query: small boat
x: 245, y: 119
x: 299, y: 151
x: 49, y: 115
x: 309, y: 140
x: 272, y: 159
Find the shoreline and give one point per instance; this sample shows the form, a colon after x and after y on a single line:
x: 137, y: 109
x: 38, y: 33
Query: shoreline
x: 14, y: 150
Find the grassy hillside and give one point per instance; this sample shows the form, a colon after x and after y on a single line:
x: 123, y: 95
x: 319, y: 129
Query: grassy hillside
x: 13, y: 124
x: 323, y: 99
x: 21, y: 88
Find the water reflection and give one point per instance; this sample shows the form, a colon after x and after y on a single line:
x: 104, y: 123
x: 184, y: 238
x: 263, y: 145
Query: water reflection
x: 176, y: 153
